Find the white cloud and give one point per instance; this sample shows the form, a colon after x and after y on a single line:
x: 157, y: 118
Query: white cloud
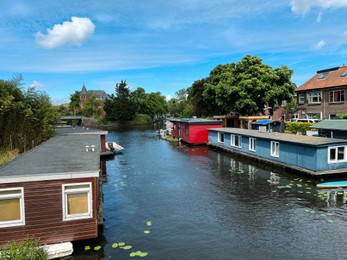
x: 301, y: 7
x: 319, y: 45
x: 37, y: 85
x: 74, y: 33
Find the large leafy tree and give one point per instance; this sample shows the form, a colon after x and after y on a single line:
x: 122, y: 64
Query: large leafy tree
x: 74, y: 104
x: 120, y: 106
x: 248, y: 87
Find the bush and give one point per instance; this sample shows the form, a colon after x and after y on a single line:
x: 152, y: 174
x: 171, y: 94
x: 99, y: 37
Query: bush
x: 142, y: 119
x: 297, y: 127
x: 28, y: 249
x: 7, y: 155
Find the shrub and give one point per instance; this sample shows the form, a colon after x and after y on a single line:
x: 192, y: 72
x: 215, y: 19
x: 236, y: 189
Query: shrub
x: 297, y: 127
x: 27, y: 249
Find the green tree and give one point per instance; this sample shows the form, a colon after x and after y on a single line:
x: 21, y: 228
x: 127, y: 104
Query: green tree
x: 248, y: 86
x: 120, y: 106
x: 74, y: 104
x: 92, y: 106
x: 199, y: 106
x: 179, y: 106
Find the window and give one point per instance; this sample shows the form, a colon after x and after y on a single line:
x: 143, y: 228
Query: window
x: 336, y: 96
x: 323, y: 75
x: 344, y: 74
x: 187, y: 129
x: 337, y: 154
x: 236, y: 140
x: 252, y: 144
x: 275, y: 149
x: 315, y: 97
x: 301, y: 98
x: 12, y: 207
x: 220, y: 137
x: 77, y: 201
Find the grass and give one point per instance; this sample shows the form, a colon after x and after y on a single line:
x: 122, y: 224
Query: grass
x: 27, y: 249
x: 7, y: 155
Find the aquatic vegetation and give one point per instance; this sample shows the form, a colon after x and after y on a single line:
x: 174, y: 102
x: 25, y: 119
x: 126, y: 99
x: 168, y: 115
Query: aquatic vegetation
x: 86, y: 248
x: 97, y: 248
x: 147, y: 232
x: 149, y: 223
x: 138, y: 253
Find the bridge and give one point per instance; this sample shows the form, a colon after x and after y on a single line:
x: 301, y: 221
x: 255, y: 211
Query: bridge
x: 72, y: 118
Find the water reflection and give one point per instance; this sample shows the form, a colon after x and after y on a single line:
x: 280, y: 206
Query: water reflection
x: 209, y: 204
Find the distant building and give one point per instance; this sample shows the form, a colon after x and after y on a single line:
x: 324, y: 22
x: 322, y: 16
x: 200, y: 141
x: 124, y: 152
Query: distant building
x: 323, y: 95
x: 85, y: 94
x: 99, y: 94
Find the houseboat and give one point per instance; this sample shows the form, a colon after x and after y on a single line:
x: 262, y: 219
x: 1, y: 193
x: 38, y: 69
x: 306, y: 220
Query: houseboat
x: 193, y: 130
x: 311, y: 155
x: 53, y: 192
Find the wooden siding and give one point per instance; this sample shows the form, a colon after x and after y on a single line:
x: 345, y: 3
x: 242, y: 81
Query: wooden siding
x: 197, y: 134
x: 44, y: 214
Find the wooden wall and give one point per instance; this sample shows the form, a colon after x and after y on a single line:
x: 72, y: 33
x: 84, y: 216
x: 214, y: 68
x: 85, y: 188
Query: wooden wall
x: 44, y: 214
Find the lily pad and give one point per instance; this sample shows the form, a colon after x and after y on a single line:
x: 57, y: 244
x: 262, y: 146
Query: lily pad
x: 87, y: 248
x: 331, y: 221
x: 143, y: 254
x: 97, y: 248
x: 114, y: 245
x: 149, y: 223
x: 121, y: 243
x: 147, y: 232
x: 127, y: 247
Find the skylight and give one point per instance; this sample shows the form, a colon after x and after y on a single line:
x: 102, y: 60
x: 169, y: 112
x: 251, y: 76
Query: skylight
x: 323, y: 75
x: 344, y: 74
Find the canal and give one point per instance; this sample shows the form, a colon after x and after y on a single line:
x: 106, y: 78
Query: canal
x: 165, y: 200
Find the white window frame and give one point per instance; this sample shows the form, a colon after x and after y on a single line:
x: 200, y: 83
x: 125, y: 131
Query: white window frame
x: 336, y: 160
x: 221, y: 137
x: 89, y: 213
x: 15, y: 195
x: 236, y: 140
x: 311, y: 96
x: 301, y: 98
x: 252, y: 144
x: 275, y: 149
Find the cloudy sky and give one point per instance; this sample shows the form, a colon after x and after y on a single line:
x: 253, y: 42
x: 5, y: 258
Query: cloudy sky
x: 163, y: 45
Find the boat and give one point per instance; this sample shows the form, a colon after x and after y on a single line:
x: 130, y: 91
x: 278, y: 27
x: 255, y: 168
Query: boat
x: 332, y: 184
x: 114, y: 147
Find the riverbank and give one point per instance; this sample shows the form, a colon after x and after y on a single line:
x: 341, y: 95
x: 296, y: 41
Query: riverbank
x: 7, y: 155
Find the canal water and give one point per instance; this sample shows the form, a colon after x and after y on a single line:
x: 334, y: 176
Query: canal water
x: 165, y: 200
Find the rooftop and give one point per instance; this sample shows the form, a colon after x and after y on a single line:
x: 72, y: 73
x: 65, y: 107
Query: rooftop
x: 331, y: 124
x: 63, y: 156
x: 328, y: 78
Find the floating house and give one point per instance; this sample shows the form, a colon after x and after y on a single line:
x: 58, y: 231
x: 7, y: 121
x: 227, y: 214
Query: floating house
x: 193, y: 130
x: 53, y: 192
x: 315, y: 156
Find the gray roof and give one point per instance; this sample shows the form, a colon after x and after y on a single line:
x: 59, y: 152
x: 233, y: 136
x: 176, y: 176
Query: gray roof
x: 331, y: 124
x: 63, y: 156
x: 300, y: 139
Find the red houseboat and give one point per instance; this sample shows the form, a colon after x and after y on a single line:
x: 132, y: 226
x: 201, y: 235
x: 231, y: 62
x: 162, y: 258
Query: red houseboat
x: 193, y: 130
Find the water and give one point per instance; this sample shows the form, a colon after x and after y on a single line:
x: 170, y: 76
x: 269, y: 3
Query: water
x: 207, y: 204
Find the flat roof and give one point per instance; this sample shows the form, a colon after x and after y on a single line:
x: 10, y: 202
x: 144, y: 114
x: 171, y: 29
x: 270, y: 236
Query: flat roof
x: 300, y: 139
x: 196, y: 121
x: 62, y: 157
x: 331, y: 125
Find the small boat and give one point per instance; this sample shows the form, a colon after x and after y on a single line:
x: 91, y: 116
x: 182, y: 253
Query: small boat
x: 114, y: 147
x: 332, y: 184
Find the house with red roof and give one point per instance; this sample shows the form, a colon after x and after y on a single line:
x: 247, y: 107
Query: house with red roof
x: 323, y: 95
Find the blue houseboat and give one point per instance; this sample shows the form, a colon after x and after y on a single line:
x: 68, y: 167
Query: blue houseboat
x: 315, y: 156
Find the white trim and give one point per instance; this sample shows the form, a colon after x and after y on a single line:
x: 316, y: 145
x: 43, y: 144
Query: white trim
x: 336, y: 154
x: 219, y: 137
x: 21, y: 221
x: 275, y: 149
x: 233, y: 139
x: 89, y: 213
x: 48, y: 177
x: 252, y: 144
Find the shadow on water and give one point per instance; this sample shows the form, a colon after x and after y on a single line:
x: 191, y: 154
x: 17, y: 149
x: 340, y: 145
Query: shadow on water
x: 175, y: 201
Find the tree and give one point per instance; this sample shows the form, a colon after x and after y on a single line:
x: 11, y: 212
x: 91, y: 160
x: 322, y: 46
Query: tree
x: 195, y: 97
x: 120, y: 106
x: 247, y: 87
x: 92, y: 106
x: 74, y: 104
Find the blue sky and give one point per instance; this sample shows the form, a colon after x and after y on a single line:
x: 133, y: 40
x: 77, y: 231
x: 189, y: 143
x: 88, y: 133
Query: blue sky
x: 162, y: 45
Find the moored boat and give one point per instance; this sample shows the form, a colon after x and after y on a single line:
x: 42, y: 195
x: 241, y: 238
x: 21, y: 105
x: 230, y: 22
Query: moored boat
x: 332, y: 184
x: 114, y: 147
